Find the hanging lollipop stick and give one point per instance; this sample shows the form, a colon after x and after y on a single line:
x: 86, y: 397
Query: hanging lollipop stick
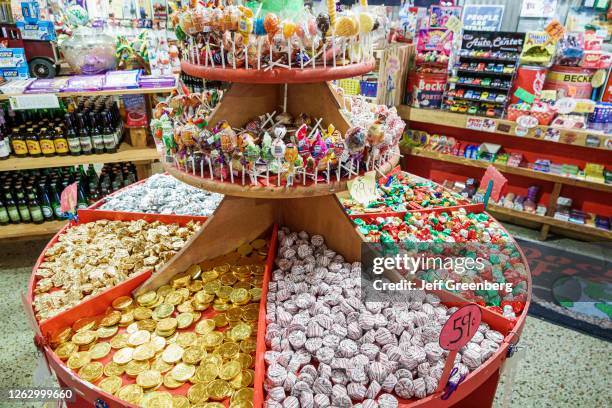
x: 193, y: 165
x: 233, y: 52
x: 222, y: 55
x: 315, y: 127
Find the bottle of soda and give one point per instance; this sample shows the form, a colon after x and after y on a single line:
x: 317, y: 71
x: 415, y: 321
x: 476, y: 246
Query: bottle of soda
x: 32, y: 143
x: 4, y: 216
x: 74, y: 142
x: 45, y: 202
x: 55, y: 200
x: 81, y: 196
x: 110, y: 134
x: 5, y: 147
x: 22, y: 204
x: 60, y: 142
x: 34, y: 206
x: 11, y: 205
x: 46, y: 142
x: 20, y: 147
x: 97, y: 135
x: 84, y: 136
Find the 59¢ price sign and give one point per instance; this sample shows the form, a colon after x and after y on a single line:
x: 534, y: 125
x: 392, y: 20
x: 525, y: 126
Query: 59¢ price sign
x: 460, y: 327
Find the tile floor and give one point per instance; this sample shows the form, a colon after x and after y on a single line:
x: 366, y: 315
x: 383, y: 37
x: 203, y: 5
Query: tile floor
x: 560, y: 367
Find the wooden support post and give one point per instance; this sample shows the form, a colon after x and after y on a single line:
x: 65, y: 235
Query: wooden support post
x: 143, y: 168
x: 550, y: 211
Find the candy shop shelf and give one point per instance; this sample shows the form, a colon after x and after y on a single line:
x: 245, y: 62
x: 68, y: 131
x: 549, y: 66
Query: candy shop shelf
x: 463, y: 84
x: 469, y: 71
x: 521, y: 171
x: 124, y: 154
x: 19, y: 231
x: 567, y: 227
x: 459, y: 120
x: 461, y: 98
x: 271, y: 191
x: 113, y: 92
x: 277, y: 75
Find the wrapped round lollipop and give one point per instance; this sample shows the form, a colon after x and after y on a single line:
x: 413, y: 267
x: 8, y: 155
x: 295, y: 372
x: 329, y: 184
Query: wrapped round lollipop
x: 355, y: 140
x: 303, y: 144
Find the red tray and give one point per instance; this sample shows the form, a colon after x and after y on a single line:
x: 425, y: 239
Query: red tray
x: 86, y: 393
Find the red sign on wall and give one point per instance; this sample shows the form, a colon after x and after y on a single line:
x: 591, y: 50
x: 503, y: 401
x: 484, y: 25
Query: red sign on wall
x: 607, y: 95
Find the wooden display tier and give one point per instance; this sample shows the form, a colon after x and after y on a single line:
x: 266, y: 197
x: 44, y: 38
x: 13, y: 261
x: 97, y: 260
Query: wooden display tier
x: 30, y: 231
x: 277, y: 75
x: 521, y: 171
x: 240, y: 220
x: 297, y: 190
x: 124, y: 154
x: 110, y: 92
x: 571, y: 229
x: 590, y: 196
x: 574, y: 137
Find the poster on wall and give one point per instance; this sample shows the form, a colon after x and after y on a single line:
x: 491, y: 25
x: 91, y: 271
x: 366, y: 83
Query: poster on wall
x: 500, y: 41
x: 482, y: 18
x: 538, y: 8
x: 438, y: 16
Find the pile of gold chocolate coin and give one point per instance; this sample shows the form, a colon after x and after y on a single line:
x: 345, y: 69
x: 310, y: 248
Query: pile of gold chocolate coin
x: 190, y: 343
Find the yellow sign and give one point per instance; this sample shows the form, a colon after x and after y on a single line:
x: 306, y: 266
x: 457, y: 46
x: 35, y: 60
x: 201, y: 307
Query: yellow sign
x: 454, y: 24
x: 363, y: 189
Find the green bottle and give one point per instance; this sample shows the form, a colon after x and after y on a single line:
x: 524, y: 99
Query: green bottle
x: 81, y: 196
x: 11, y: 206
x: 4, y: 216
x: 34, y: 207
x: 22, y: 205
x: 55, y: 201
x: 45, y: 202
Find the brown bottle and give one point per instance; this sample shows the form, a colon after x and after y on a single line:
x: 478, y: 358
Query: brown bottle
x: 46, y: 142
x: 60, y: 142
x: 32, y: 143
x: 18, y: 143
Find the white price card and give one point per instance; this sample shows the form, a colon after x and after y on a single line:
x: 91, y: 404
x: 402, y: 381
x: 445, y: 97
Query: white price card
x: 34, y: 101
x: 363, y: 189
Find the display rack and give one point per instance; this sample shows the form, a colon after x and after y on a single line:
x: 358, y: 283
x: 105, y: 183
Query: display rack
x: 110, y: 92
x: 30, y: 231
x: 570, y: 148
x: 247, y: 213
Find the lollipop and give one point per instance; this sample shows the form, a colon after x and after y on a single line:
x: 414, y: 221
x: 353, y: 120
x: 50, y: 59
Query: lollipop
x: 271, y: 25
x: 366, y: 22
x: 375, y: 134
x: 303, y: 144
x: 227, y: 137
x: 355, y: 140
x: 291, y: 157
x: 323, y: 24
x: 289, y: 29
x: 318, y: 149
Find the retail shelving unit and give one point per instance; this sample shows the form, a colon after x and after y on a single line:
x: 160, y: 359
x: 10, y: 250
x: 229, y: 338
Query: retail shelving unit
x: 571, y: 147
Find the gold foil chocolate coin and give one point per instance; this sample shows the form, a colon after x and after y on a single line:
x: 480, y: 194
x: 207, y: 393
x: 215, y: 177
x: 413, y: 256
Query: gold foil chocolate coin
x: 122, y: 302
x: 131, y: 393
x: 113, y: 369
x: 91, y: 371
x: 110, y: 384
x: 218, y: 390
x: 183, y: 372
x: 100, y: 350
x: 78, y: 359
x: 149, y: 379
x: 124, y: 355
x: 198, y: 393
x: 66, y: 350
x: 173, y: 353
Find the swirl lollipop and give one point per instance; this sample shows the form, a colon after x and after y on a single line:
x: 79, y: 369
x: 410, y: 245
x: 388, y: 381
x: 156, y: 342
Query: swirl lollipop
x: 355, y: 140
x: 289, y: 28
x: 271, y: 25
x: 291, y: 156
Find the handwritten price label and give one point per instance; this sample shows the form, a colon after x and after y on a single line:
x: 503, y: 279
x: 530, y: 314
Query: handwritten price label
x: 460, y: 327
x: 363, y: 189
x: 68, y: 199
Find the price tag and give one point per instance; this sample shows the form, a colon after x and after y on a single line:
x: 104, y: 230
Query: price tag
x: 527, y: 121
x: 37, y: 101
x: 524, y: 95
x: 565, y: 105
x: 584, y: 106
x: 454, y: 24
x: 363, y: 189
x: 555, y: 29
x: 68, y: 199
x: 460, y: 327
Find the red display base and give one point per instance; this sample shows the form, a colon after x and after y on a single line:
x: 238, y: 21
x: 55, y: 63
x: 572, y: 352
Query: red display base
x: 277, y: 75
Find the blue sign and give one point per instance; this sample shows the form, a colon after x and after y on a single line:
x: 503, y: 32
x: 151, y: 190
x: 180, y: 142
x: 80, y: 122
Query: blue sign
x: 482, y: 18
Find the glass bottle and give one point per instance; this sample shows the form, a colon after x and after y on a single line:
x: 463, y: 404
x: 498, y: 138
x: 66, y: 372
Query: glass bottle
x: 34, y: 206
x: 22, y: 205
x: 11, y: 205
x: 96, y: 133
x: 46, y: 142
x: 20, y: 148
x: 32, y: 143
x: 74, y: 142
x: 4, y: 216
x: 45, y: 202
x: 110, y: 135
x: 84, y: 136
x: 60, y: 142
x: 55, y: 201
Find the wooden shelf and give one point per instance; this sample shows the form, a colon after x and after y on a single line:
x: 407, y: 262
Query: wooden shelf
x: 581, y: 230
x: 574, y: 137
x: 124, y: 154
x: 134, y: 91
x: 23, y: 231
x: 521, y: 171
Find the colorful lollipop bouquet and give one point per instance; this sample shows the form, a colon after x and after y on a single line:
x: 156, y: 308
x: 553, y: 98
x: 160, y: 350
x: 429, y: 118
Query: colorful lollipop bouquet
x: 276, y: 149
x: 251, y: 37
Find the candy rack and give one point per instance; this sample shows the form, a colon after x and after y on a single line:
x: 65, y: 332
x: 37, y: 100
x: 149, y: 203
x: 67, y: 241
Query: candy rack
x: 481, y: 80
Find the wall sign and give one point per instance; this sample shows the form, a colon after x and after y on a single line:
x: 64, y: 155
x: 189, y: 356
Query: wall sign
x: 498, y: 41
x: 482, y: 18
x: 538, y: 8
